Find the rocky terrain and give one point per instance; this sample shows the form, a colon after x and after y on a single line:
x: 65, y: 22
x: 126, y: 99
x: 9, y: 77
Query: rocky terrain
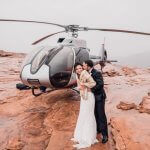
x: 47, y: 122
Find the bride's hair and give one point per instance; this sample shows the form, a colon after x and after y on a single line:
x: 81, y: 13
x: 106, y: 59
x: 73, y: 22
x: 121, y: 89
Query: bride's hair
x: 77, y: 64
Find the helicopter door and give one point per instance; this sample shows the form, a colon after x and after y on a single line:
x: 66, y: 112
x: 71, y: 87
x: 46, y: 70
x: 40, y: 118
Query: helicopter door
x: 61, y: 66
x: 82, y: 54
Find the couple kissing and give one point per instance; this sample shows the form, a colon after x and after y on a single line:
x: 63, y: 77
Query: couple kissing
x: 92, y: 118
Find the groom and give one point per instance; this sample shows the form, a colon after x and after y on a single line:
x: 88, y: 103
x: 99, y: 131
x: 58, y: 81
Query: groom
x: 100, y: 97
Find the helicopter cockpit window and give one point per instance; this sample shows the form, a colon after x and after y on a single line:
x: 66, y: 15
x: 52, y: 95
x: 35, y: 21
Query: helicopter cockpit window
x: 39, y: 59
x: 61, y: 67
x: 30, y: 56
x: 81, y: 55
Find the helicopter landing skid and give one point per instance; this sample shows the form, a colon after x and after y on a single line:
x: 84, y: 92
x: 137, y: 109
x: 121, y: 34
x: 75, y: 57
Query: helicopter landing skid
x: 33, y: 92
x: 74, y: 89
x: 42, y: 92
x: 38, y: 94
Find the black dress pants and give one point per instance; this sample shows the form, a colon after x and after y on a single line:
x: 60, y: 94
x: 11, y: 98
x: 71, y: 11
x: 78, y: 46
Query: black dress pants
x: 100, y: 115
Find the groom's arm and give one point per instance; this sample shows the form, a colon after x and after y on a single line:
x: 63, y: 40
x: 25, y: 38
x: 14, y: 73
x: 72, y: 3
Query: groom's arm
x: 89, y: 81
x: 99, y: 81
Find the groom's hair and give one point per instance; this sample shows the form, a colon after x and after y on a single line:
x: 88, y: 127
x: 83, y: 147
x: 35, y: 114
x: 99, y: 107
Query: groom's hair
x: 89, y: 63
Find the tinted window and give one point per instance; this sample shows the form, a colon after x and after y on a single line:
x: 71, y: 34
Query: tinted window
x: 81, y: 55
x: 39, y: 59
x: 61, y: 66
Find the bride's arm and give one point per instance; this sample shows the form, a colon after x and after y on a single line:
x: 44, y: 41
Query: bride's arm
x: 79, y: 86
x: 90, y: 83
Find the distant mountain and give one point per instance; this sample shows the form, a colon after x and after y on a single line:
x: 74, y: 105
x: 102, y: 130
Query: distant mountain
x: 139, y: 60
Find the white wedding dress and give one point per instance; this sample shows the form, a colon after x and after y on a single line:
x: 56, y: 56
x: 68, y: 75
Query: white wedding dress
x: 85, y: 130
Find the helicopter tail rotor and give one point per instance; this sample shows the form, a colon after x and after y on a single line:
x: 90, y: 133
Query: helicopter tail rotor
x: 103, y: 52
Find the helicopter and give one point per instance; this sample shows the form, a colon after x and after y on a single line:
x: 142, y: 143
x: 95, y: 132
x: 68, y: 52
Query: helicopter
x: 53, y: 67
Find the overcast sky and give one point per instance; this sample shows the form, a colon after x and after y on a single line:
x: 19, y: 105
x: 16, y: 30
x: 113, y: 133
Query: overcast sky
x: 119, y: 14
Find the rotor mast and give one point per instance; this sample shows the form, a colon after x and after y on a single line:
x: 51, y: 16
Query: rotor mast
x: 73, y: 29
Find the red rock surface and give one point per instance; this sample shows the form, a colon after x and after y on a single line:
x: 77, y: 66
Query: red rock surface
x: 144, y: 106
x: 129, y: 71
x: 130, y: 129
x: 126, y: 105
x: 131, y: 133
x: 47, y: 122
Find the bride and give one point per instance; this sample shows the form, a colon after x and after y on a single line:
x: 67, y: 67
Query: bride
x: 85, y: 130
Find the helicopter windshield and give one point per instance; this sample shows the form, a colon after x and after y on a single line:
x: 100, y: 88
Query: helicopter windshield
x: 61, y: 67
x: 39, y: 59
x: 30, y: 56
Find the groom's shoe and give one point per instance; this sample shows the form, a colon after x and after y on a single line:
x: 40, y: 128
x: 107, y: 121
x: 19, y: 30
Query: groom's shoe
x: 104, y: 139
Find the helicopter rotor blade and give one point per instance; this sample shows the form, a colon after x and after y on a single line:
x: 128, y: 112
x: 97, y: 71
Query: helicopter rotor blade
x: 45, y: 37
x: 31, y: 21
x: 74, y: 28
x: 117, y: 30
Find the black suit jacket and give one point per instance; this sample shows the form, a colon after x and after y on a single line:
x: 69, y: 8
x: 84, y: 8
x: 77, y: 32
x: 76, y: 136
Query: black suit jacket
x: 98, y: 89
